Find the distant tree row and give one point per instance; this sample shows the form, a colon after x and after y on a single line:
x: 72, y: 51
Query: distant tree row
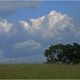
x: 65, y: 54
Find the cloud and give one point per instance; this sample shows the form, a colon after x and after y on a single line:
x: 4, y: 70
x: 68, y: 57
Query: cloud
x: 1, y: 53
x: 6, y: 28
x: 12, y: 5
x: 30, y: 44
x: 4, y: 59
x: 30, y: 59
x: 54, y: 26
x: 34, y: 36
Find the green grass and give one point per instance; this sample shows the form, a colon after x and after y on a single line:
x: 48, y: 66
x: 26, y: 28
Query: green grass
x: 39, y: 71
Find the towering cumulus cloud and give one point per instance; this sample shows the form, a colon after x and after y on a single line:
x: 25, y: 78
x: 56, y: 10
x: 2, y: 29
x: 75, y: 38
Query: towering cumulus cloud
x: 54, y: 26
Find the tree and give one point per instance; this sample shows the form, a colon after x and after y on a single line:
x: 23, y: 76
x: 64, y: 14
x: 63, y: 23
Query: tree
x: 59, y: 53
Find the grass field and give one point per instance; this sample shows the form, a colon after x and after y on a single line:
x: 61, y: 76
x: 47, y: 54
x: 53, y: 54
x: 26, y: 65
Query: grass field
x: 39, y: 71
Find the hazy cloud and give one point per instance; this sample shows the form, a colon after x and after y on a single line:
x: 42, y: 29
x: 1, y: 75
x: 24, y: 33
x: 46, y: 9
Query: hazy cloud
x: 1, y: 53
x: 30, y: 44
x: 12, y: 5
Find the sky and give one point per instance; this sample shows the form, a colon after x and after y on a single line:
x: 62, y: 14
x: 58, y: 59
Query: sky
x: 27, y: 28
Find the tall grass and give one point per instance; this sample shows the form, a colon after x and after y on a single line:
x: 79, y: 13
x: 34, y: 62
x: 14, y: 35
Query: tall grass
x: 39, y: 71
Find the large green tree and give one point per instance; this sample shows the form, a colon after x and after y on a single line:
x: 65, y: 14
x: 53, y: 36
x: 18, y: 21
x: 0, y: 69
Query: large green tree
x: 60, y: 53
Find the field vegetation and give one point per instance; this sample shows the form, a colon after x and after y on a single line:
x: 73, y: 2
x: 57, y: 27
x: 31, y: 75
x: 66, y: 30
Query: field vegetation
x: 39, y: 71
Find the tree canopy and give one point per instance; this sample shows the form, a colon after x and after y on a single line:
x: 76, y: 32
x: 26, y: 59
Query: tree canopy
x: 60, y: 53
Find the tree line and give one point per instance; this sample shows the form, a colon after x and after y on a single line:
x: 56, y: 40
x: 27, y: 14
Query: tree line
x: 63, y: 53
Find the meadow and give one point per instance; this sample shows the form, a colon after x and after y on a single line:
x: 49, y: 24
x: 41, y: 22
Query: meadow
x: 39, y: 71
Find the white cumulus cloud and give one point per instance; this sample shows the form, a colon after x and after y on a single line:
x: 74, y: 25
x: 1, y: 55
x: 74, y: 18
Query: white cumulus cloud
x: 6, y: 28
x: 54, y: 25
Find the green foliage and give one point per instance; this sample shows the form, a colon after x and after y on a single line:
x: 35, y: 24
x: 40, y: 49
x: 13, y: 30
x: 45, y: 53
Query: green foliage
x: 60, y: 53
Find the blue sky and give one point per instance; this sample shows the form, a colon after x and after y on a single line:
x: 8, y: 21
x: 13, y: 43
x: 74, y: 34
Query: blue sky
x: 68, y: 7
x: 27, y: 28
